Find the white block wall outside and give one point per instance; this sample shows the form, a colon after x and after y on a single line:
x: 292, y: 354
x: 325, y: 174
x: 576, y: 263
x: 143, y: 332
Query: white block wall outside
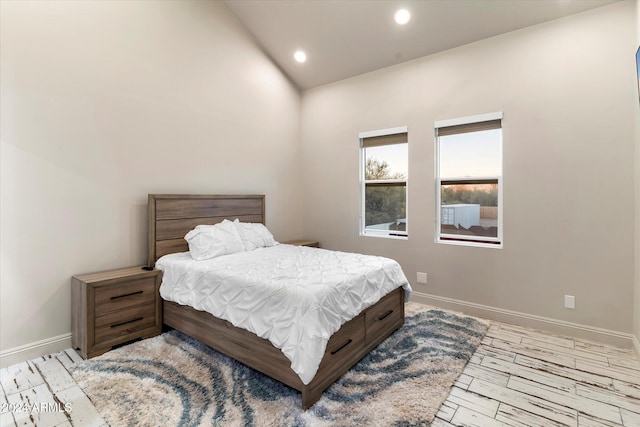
x: 465, y: 215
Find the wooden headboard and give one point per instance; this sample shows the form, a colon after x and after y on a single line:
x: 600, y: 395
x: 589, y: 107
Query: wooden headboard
x: 171, y: 216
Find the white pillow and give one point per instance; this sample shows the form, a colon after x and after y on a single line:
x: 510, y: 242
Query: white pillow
x: 210, y: 241
x: 254, y: 235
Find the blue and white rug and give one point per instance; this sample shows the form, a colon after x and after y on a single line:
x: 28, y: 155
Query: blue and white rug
x: 173, y: 380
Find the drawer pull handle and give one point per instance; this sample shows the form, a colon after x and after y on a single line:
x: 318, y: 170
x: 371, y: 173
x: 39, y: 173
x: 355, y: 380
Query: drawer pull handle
x: 384, y: 316
x: 115, y: 325
x: 342, y: 346
x: 126, y: 295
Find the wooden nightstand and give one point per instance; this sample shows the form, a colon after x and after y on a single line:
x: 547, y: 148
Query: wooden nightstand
x: 113, y: 307
x: 309, y: 243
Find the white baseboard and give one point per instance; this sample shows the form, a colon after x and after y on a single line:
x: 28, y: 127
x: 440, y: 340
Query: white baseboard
x: 61, y: 342
x: 561, y: 327
x: 35, y: 349
x: 636, y: 346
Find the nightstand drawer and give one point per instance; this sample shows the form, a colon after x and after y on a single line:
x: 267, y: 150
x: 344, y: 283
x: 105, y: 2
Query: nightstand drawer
x: 116, y: 297
x: 124, y: 322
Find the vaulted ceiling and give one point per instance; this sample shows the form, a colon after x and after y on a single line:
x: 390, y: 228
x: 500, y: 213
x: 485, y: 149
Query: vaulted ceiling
x: 344, y: 38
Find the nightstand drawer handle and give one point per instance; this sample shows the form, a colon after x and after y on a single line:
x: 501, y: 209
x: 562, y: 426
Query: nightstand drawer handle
x: 342, y: 346
x: 128, y: 321
x: 384, y: 316
x: 126, y: 295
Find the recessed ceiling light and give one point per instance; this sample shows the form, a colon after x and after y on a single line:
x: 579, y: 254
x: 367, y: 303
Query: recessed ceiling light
x: 300, y: 56
x: 402, y: 16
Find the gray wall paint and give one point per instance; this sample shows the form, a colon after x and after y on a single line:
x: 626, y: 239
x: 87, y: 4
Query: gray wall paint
x: 567, y: 91
x: 103, y: 102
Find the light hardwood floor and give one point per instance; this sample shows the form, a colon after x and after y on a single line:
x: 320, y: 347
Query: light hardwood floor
x: 517, y: 377
x: 522, y: 377
x: 37, y: 391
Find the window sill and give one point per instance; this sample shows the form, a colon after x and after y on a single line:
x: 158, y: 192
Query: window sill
x: 385, y: 236
x: 470, y: 243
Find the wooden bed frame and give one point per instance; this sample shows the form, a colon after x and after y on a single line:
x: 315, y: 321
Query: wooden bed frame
x: 172, y: 216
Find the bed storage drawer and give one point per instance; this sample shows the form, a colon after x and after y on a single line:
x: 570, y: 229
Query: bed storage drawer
x: 345, y: 343
x: 385, y: 316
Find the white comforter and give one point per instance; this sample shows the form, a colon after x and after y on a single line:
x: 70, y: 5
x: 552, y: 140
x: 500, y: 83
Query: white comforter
x: 294, y: 296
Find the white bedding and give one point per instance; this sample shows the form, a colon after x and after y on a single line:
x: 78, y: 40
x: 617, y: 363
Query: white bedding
x: 294, y: 296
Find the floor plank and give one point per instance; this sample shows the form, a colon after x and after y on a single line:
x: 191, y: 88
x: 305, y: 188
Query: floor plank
x: 565, y: 372
x: 73, y: 355
x: 589, y: 406
x: 628, y: 375
x: 447, y: 410
x: 532, y: 350
x: 560, y: 349
x: 467, y: 417
x: 474, y: 401
x: 516, y: 417
x: 6, y: 417
x: 477, y: 370
x: 630, y: 419
x: 497, y: 352
x: 537, y: 375
x: 37, y: 406
x: 631, y: 390
x: 440, y: 423
x: 623, y: 353
x: 538, y: 335
x: 83, y: 413
x: 624, y: 363
x: 55, y: 374
x: 609, y: 397
x: 585, y: 420
x: 21, y: 376
x: 463, y: 381
x: 504, y: 336
x: 529, y: 403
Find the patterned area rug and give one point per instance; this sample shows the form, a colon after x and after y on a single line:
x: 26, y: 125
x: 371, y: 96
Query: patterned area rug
x: 173, y: 380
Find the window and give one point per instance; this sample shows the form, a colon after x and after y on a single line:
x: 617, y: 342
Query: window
x: 469, y: 180
x: 384, y: 156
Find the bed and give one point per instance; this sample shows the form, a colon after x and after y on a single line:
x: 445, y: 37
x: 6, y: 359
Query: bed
x: 172, y: 216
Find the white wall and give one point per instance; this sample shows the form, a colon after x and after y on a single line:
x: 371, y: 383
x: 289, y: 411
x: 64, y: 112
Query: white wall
x: 568, y: 95
x: 104, y: 102
x: 636, y: 319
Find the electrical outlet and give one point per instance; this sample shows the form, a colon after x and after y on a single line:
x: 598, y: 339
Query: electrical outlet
x: 569, y: 301
x: 422, y: 278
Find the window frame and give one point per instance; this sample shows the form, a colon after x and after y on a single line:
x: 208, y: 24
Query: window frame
x: 389, y: 234
x: 469, y: 240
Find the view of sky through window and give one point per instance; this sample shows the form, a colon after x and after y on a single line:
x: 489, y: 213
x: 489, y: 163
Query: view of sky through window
x: 473, y: 154
x: 396, y: 156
